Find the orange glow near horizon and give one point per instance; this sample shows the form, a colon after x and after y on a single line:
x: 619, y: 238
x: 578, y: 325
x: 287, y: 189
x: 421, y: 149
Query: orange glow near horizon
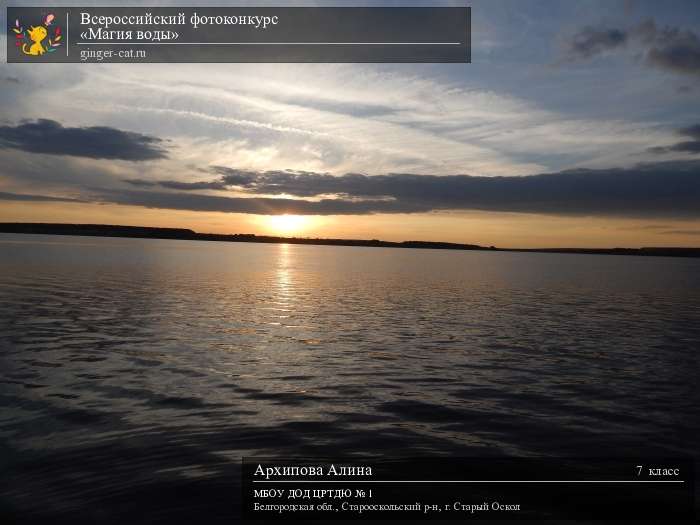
x: 485, y: 228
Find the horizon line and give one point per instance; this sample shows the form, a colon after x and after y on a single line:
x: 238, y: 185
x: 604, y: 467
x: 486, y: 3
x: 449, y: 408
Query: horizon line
x: 156, y: 232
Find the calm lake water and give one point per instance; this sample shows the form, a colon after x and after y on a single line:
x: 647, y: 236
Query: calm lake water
x: 134, y: 374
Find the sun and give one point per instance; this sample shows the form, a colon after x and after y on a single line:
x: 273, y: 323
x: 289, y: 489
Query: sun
x: 287, y: 224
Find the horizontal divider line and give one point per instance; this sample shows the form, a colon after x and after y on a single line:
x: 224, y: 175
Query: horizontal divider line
x: 269, y: 43
x: 471, y: 481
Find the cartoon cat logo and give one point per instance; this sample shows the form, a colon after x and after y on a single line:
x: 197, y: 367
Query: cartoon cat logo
x: 31, y: 41
x: 36, y: 35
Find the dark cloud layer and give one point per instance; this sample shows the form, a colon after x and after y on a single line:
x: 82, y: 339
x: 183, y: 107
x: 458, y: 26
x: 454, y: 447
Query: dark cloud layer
x: 686, y: 146
x: 98, y: 142
x: 669, y: 48
x: 177, y: 185
x: 668, y: 189
x: 34, y: 198
x: 257, y: 205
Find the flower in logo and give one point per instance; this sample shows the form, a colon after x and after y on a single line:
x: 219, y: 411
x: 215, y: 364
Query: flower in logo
x: 31, y: 41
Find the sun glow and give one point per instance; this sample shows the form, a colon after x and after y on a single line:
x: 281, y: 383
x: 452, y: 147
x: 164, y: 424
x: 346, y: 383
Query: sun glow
x: 287, y: 224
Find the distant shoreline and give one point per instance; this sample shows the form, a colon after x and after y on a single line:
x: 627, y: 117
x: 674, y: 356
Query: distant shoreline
x: 144, y: 232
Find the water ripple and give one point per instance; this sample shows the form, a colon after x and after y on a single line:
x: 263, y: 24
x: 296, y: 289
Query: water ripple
x: 133, y: 369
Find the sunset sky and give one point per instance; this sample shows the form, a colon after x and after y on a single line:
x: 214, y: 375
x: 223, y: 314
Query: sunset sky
x: 577, y: 124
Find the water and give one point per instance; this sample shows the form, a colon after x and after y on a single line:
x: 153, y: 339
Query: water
x: 136, y: 373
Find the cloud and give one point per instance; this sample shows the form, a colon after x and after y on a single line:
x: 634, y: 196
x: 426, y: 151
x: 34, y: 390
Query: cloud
x: 669, y: 48
x: 10, y: 80
x: 257, y: 205
x: 664, y: 189
x: 98, y: 142
x: 177, y: 185
x: 686, y: 146
x: 589, y: 42
x: 233, y: 176
x: 34, y: 198
x: 692, y: 131
x: 267, y: 182
x: 673, y: 49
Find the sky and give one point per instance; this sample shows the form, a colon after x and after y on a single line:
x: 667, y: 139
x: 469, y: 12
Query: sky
x: 576, y: 124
